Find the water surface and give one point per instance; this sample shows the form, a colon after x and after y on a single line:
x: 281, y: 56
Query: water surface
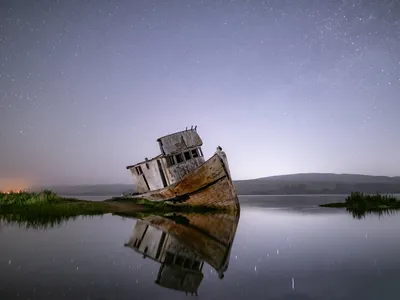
x: 284, y: 248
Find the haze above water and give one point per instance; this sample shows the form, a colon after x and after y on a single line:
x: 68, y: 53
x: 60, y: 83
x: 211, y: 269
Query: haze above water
x: 285, y: 247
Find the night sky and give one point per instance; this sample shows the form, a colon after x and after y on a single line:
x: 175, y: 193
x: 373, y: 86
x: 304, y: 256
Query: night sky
x: 86, y: 87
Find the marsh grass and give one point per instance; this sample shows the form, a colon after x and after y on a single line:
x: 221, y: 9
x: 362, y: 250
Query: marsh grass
x: 360, y: 204
x: 45, y: 196
x: 366, y: 201
x: 361, y: 201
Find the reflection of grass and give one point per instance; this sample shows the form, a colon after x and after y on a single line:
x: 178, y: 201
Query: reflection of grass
x: 358, y: 214
x: 359, y: 204
x: 44, y: 215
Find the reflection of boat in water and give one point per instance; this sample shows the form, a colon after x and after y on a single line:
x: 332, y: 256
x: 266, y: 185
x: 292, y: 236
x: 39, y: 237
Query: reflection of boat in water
x: 180, y: 174
x: 182, y: 242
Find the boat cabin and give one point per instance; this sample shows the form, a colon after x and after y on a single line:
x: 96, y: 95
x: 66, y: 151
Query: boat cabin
x: 181, y: 154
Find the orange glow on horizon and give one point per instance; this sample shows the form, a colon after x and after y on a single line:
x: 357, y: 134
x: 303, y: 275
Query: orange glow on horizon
x: 12, y: 191
x: 13, y: 185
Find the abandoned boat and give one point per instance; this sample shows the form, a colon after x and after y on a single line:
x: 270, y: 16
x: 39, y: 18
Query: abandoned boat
x: 181, y: 243
x: 181, y: 175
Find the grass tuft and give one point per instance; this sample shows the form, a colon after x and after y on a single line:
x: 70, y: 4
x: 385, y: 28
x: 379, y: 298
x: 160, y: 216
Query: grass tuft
x: 27, y: 198
x: 360, y: 204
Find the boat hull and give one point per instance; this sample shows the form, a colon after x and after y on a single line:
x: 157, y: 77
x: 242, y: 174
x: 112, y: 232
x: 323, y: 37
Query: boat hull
x: 209, y: 185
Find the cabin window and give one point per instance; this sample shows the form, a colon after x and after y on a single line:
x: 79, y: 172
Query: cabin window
x: 147, y: 165
x: 187, y: 155
x: 179, y: 158
x: 139, y: 170
x: 169, y: 258
x: 179, y: 259
x: 196, y: 265
x: 187, y: 264
x: 170, y: 161
x: 201, y: 152
x: 195, y: 153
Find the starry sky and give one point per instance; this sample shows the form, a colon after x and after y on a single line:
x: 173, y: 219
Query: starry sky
x: 86, y: 87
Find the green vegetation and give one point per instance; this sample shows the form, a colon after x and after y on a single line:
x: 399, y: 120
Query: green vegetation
x: 360, y: 204
x: 46, y: 209
x: 44, y: 196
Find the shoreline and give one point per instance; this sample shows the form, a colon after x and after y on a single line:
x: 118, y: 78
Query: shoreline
x: 107, y: 197
x: 48, y: 209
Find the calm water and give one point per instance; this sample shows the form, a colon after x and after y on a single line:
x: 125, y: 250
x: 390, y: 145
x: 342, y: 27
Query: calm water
x: 283, y: 248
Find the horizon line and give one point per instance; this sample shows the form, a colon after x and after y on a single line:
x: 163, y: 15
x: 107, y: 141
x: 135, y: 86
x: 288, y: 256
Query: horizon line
x: 283, y: 175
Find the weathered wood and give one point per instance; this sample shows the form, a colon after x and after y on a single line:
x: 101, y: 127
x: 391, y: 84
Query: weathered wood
x: 180, y: 174
x: 219, y: 195
x: 179, y: 141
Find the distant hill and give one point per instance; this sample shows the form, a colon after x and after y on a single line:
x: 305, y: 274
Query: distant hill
x: 306, y: 183
x: 328, y: 177
x: 318, y: 183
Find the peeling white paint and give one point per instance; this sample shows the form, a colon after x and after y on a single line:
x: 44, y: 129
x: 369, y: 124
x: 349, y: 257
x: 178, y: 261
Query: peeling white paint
x: 151, y: 173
